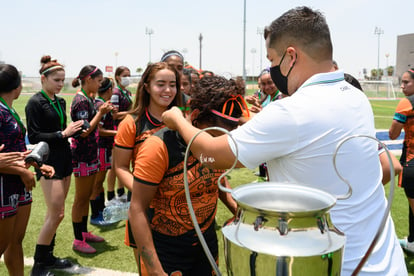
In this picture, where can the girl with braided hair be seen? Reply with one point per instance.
(159, 216)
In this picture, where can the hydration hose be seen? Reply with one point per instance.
(188, 196)
(389, 199)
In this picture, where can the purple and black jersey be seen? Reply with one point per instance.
(107, 122)
(119, 99)
(13, 139)
(84, 149)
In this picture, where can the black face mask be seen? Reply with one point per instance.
(279, 80)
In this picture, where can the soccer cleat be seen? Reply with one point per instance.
(89, 237)
(83, 247)
(407, 246)
(99, 221)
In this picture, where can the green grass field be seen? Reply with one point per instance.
(113, 254)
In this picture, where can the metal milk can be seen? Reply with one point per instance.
(282, 229)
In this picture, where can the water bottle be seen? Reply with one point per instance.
(117, 212)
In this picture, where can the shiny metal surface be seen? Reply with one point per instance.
(282, 229)
(277, 199)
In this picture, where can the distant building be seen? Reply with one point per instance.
(405, 54)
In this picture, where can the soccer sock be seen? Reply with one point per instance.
(262, 171)
(110, 195)
(85, 224)
(95, 208)
(101, 200)
(120, 192)
(52, 247)
(77, 230)
(41, 253)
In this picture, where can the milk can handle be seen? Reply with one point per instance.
(188, 196)
(389, 199)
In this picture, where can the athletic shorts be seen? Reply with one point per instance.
(85, 169)
(12, 195)
(184, 255)
(105, 159)
(407, 181)
(61, 161)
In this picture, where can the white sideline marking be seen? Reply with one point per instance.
(76, 269)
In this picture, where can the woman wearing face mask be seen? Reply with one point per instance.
(85, 153)
(122, 101)
(46, 121)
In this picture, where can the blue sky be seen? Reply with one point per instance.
(91, 32)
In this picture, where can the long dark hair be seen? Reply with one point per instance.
(142, 97)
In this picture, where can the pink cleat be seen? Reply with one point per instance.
(89, 237)
(83, 247)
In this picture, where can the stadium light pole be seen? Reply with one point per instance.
(244, 41)
(200, 38)
(149, 32)
(260, 32)
(378, 31)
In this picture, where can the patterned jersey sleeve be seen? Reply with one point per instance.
(151, 161)
(80, 109)
(97, 105)
(125, 136)
(403, 110)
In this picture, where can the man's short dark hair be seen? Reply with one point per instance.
(302, 27)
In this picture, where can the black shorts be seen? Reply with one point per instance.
(185, 254)
(13, 194)
(61, 160)
(408, 179)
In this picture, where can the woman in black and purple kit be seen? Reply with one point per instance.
(16, 181)
(122, 100)
(85, 153)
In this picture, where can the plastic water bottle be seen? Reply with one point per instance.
(116, 212)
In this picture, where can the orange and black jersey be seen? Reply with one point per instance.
(128, 137)
(160, 162)
(404, 114)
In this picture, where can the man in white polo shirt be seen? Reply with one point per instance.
(297, 137)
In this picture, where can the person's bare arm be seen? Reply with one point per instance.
(106, 132)
(214, 151)
(386, 169)
(395, 129)
(122, 160)
(10, 158)
(141, 197)
(227, 199)
(103, 109)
